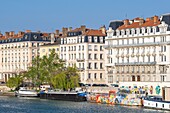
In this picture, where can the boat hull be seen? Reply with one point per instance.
(63, 96)
(164, 105)
(26, 94)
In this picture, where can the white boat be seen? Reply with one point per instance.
(156, 102)
(23, 92)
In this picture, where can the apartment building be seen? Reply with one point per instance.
(138, 51)
(18, 50)
(83, 48)
(45, 49)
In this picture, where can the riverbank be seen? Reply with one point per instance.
(11, 94)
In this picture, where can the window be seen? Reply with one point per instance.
(95, 56)
(133, 78)
(138, 78)
(101, 75)
(89, 76)
(90, 56)
(90, 47)
(95, 75)
(101, 56)
(82, 47)
(101, 65)
(95, 48)
(89, 66)
(95, 65)
(101, 48)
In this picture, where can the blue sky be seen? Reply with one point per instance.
(49, 15)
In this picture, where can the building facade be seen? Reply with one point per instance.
(18, 50)
(83, 48)
(45, 49)
(138, 51)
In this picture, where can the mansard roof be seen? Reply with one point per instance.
(139, 22)
(93, 32)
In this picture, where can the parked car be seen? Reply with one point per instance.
(114, 85)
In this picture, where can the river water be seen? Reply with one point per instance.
(35, 105)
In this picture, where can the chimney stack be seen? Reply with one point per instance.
(52, 38)
(20, 33)
(57, 32)
(103, 29)
(70, 28)
(28, 31)
(148, 19)
(83, 28)
(6, 34)
(126, 22)
(155, 19)
(12, 33)
(64, 31)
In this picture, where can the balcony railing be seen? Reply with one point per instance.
(135, 63)
(135, 44)
(80, 60)
(110, 72)
(80, 69)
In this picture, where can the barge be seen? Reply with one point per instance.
(66, 96)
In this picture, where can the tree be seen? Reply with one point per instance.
(14, 82)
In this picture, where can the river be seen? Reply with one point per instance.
(35, 105)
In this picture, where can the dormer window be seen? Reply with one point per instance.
(127, 31)
(117, 32)
(90, 40)
(122, 32)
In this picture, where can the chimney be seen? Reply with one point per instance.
(83, 28)
(141, 21)
(148, 19)
(70, 28)
(52, 38)
(64, 31)
(6, 34)
(11, 33)
(126, 22)
(28, 31)
(155, 19)
(103, 29)
(20, 33)
(57, 32)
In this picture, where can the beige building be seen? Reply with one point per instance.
(46, 48)
(84, 48)
(18, 50)
(138, 51)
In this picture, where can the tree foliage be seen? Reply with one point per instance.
(50, 70)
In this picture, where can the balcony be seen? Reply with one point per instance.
(154, 53)
(110, 72)
(135, 63)
(80, 69)
(107, 46)
(95, 49)
(80, 60)
(134, 45)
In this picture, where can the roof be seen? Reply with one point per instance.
(93, 32)
(78, 29)
(138, 24)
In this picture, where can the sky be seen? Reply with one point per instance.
(49, 15)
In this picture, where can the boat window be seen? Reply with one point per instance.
(163, 105)
(156, 104)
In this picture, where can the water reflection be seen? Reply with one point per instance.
(35, 105)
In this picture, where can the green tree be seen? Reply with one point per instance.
(14, 82)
